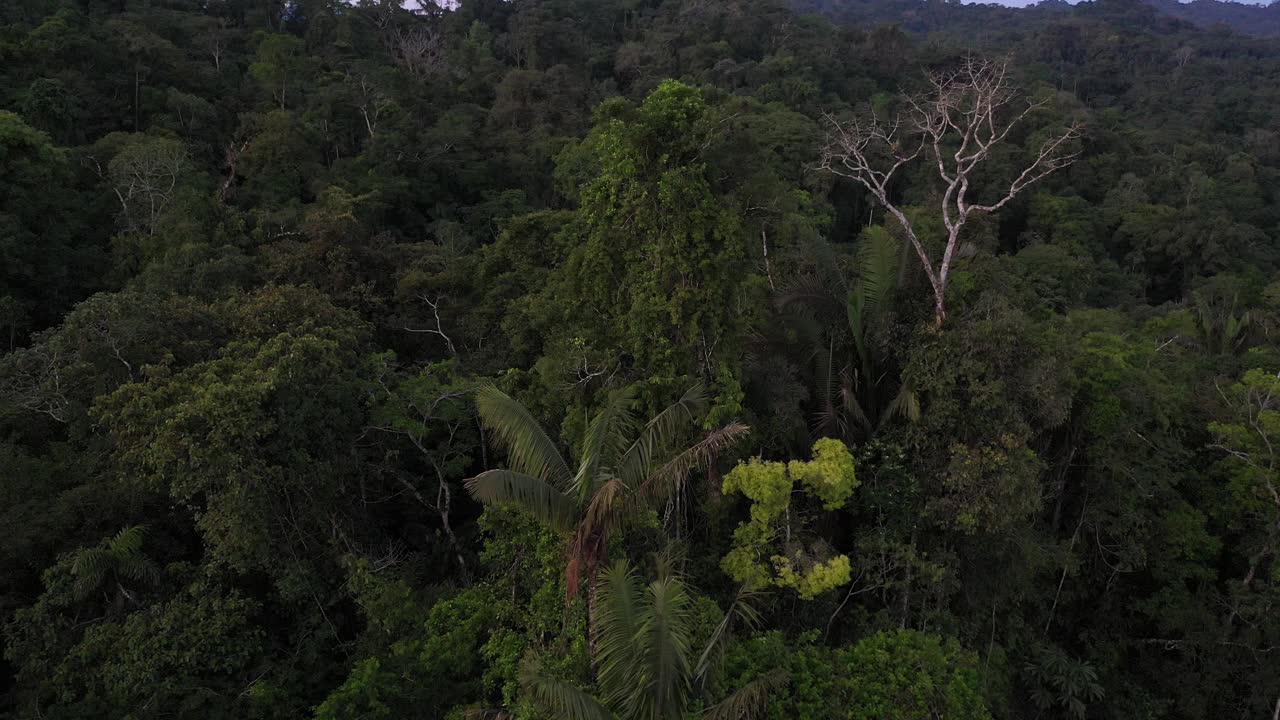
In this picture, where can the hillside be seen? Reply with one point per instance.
(1241, 17)
(941, 16)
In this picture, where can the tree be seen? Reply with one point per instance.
(279, 64)
(642, 647)
(254, 441)
(429, 410)
(145, 176)
(960, 121)
(118, 560)
(830, 479)
(849, 375)
(623, 466)
(45, 258)
(657, 282)
(908, 675)
(1249, 439)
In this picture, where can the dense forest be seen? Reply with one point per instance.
(1245, 18)
(637, 359)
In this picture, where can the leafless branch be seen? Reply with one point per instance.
(971, 109)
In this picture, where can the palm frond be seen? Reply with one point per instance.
(742, 611)
(659, 434)
(810, 294)
(138, 568)
(855, 311)
(529, 449)
(877, 269)
(661, 685)
(90, 569)
(906, 404)
(849, 400)
(828, 420)
(561, 698)
(749, 701)
(670, 478)
(606, 510)
(615, 623)
(534, 494)
(128, 541)
(828, 267)
(877, 261)
(605, 442)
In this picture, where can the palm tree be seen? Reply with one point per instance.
(643, 656)
(624, 466)
(1220, 328)
(119, 561)
(849, 379)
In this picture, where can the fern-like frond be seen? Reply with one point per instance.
(827, 266)
(906, 404)
(660, 434)
(849, 400)
(810, 294)
(90, 570)
(487, 714)
(668, 480)
(751, 700)
(605, 511)
(662, 682)
(138, 568)
(529, 450)
(561, 698)
(534, 494)
(877, 269)
(128, 541)
(828, 420)
(615, 622)
(741, 612)
(607, 438)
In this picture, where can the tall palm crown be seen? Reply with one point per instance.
(850, 377)
(119, 561)
(624, 466)
(642, 650)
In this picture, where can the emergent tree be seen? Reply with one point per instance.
(963, 116)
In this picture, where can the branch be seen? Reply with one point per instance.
(1050, 160)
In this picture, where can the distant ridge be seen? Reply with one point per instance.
(1262, 20)
(926, 16)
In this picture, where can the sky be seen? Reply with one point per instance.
(1009, 3)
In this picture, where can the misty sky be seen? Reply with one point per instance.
(1009, 3)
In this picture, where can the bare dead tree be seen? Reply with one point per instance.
(371, 102)
(144, 177)
(214, 41)
(1184, 55)
(33, 381)
(965, 114)
(439, 324)
(424, 417)
(231, 159)
(412, 37)
(414, 43)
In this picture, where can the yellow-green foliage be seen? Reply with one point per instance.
(816, 580)
(829, 477)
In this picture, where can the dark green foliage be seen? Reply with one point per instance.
(906, 674)
(277, 277)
